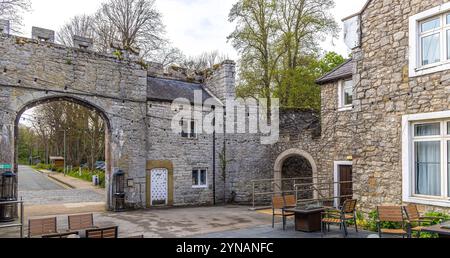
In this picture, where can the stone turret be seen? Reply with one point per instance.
(221, 80)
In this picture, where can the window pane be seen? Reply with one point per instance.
(427, 130)
(195, 177)
(448, 18)
(203, 177)
(448, 168)
(448, 44)
(347, 93)
(192, 129)
(431, 49)
(428, 168)
(430, 25)
(448, 128)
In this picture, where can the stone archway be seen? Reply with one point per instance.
(49, 99)
(278, 169)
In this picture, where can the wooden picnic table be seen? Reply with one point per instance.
(438, 229)
(307, 220)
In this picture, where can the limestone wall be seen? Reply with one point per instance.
(383, 94)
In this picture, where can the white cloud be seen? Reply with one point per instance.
(194, 26)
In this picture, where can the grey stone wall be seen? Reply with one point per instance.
(383, 94)
(32, 72)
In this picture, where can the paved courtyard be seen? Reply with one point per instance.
(202, 222)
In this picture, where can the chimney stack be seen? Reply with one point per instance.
(43, 35)
(82, 42)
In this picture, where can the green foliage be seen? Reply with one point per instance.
(87, 174)
(298, 89)
(118, 54)
(43, 166)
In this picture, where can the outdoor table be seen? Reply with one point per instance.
(438, 229)
(308, 220)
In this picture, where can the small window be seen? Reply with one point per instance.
(199, 178)
(431, 49)
(431, 25)
(346, 94)
(188, 129)
(422, 130)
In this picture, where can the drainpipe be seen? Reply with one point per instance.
(214, 158)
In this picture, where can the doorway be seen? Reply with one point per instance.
(159, 186)
(343, 179)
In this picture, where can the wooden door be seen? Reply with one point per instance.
(346, 185)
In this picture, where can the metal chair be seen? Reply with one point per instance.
(109, 232)
(393, 214)
(40, 227)
(340, 217)
(81, 222)
(279, 206)
(416, 221)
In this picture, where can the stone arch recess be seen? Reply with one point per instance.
(278, 169)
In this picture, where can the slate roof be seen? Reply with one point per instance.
(169, 90)
(343, 71)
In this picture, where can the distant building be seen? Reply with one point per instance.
(57, 162)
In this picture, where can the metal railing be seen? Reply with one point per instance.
(15, 224)
(321, 190)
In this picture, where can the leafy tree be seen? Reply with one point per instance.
(278, 42)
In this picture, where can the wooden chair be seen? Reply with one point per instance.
(40, 227)
(279, 206)
(341, 217)
(60, 236)
(393, 214)
(418, 222)
(110, 232)
(81, 222)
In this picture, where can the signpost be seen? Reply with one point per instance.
(5, 166)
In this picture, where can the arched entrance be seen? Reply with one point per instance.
(295, 164)
(46, 100)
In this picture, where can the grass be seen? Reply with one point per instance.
(84, 174)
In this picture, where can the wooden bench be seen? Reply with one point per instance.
(62, 235)
(81, 222)
(40, 227)
(110, 232)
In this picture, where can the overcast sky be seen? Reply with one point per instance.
(194, 26)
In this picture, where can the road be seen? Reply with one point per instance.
(31, 180)
(37, 189)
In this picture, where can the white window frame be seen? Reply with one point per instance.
(200, 186)
(415, 35)
(408, 159)
(341, 96)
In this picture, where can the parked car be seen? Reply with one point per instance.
(99, 164)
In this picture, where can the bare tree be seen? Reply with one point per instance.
(137, 22)
(80, 26)
(12, 10)
(168, 56)
(204, 61)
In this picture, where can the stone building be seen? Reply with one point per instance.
(395, 128)
(162, 167)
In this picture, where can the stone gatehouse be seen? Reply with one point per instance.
(135, 100)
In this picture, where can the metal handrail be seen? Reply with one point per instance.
(314, 187)
(21, 218)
